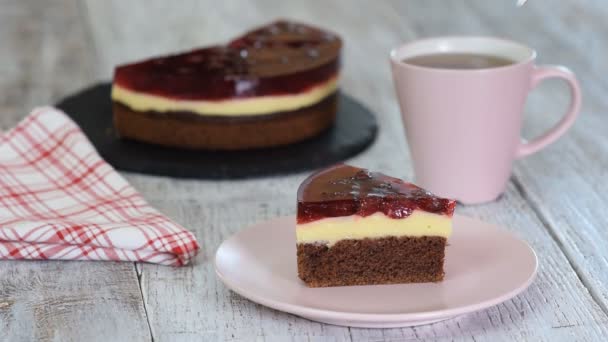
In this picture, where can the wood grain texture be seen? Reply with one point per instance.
(190, 303)
(45, 54)
(567, 184)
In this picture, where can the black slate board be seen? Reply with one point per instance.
(355, 129)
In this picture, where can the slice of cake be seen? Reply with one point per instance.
(356, 227)
(274, 85)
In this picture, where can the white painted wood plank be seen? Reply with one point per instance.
(70, 301)
(45, 54)
(567, 183)
(190, 303)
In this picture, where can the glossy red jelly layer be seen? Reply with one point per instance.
(345, 190)
(277, 59)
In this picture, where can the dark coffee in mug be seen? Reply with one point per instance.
(458, 61)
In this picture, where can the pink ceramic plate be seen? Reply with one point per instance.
(485, 266)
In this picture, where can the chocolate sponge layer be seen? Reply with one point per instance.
(389, 260)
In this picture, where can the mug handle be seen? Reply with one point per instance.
(539, 74)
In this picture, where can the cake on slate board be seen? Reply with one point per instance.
(274, 85)
(356, 227)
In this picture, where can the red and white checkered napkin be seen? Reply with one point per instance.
(60, 200)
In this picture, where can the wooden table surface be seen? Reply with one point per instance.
(556, 199)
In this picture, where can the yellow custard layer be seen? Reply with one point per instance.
(235, 107)
(333, 229)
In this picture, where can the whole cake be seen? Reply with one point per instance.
(274, 85)
(356, 227)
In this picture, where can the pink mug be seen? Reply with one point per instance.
(463, 126)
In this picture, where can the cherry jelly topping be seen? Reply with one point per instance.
(276, 59)
(345, 190)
